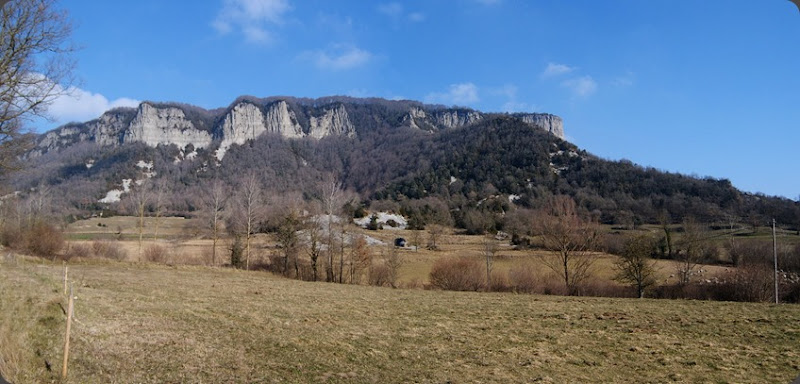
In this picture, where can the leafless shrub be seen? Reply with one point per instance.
(44, 240)
(155, 253)
(74, 250)
(457, 274)
(108, 250)
(523, 278)
(379, 275)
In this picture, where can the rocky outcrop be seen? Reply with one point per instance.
(546, 121)
(282, 120)
(456, 118)
(334, 121)
(107, 130)
(247, 119)
(165, 125)
(444, 119)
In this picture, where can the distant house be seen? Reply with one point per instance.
(400, 242)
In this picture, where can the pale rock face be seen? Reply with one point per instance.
(546, 121)
(246, 122)
(104, 131)
(280, 119)
(456, 119)
(334, 121)
(169, 125)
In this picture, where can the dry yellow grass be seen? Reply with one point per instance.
(149, 323)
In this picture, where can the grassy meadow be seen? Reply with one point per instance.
(184, 320)
(148, 323)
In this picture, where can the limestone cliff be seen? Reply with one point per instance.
(165, 125)
(249, 118)
(546, 121)
(334, 121)
(107, 130)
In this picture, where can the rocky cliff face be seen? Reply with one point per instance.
(165, 125)
(247, 119)
(106, 130)
(418, 118)
(546, 121)
(333, 121)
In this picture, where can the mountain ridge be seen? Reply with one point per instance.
(248, 117)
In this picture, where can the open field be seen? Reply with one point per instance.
(153, 323)
(183, 237)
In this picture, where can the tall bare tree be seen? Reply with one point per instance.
(490, 249)
(214, 202)
(139, 198)
(250, 208)
(570, 238)
(35, 68)
(693, 244)
(332, 202)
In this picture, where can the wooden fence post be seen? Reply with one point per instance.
(66, 337)
(66, 277)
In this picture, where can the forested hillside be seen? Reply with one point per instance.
(471, 176)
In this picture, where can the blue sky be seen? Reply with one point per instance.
(708, 87)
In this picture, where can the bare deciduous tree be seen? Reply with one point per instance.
(693, 246)
(139, 198)
(570, 237)
(332, 201)
(634, 266)
(214, 203)
(360, 259)
(35, 67)
(249, 208)
(490, 249)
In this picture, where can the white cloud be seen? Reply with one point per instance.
(457, 94)
(251, 17)
(338, 57)
(397, 12)
(81, 105)
(555, 69)
(581, 86)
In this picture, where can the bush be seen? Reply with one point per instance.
(108, 250)
(44, 240)
(379, 275)
(237, 253)
(522, 278)
(76, 250)
(458, 274)
(156, 254)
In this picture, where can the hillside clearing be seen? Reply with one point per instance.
(151, 323)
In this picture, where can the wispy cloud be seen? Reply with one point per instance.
(391, 9)
(81, 105)
(251, 18)
(583, 86)
(555, 69)
(626, 80)
(416, 17)
(488, 2)
(456, 94)
(338, 57)
(398, 13)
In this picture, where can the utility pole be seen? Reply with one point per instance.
(775, 259)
